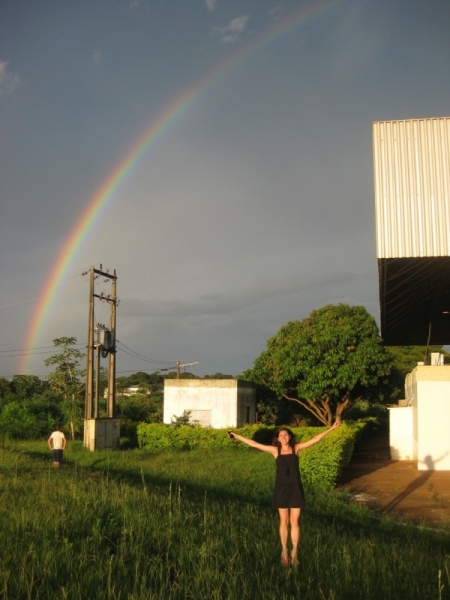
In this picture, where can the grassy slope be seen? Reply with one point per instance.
(134, 525)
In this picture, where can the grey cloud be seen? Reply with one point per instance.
(8, 80)
(226, 304)
(97, 57)
(210, 4)
(253, 208)
(233, 30)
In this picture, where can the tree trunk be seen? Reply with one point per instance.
(321, 410)
(343, 405)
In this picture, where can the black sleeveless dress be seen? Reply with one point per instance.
(288, 491)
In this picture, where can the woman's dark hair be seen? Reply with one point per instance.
(292, 441)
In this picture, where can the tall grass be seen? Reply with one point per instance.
(133, 525)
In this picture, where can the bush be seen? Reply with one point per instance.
(157, 437)
(321, 465)
(17, 422)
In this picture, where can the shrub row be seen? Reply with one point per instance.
(321, 464)
(157, 436)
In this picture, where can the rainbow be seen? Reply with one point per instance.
(123, 170)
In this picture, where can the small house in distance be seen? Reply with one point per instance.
(216, 403)
(129, 391)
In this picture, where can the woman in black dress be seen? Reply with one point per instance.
(288, 496)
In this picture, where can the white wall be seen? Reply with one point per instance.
(401, 433)
(427, 390)
(220, 403)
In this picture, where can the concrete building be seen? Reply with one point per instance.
(412, 221)
(420, 430)
(412, 213)
(216, 403)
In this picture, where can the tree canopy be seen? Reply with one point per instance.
(325, 362)
(141, 379)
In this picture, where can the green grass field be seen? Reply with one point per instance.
(197, 525)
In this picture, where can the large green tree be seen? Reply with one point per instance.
(67, 380)
(326, 362)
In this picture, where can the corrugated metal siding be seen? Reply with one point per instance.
(412, 187)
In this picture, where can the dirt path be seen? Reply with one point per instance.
(397, 487)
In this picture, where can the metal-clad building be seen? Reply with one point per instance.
(412, 185)
(412, 208)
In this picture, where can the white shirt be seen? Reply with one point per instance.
(57, 437)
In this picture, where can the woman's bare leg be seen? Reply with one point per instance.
(284, 522)
(295, 532)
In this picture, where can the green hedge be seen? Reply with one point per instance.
(321, 464)
(157, 437)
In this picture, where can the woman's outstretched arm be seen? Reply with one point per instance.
(263, 447)
(316, 438)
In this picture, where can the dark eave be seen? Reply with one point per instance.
(414, 300)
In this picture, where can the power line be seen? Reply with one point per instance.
(20, 302)
(38, 348)
(32, 351)
(141, 356)
(27, 354)
(53, 284)
(140, 371)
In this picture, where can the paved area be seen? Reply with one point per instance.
(397, 487)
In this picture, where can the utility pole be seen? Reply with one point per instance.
(178, 366)
(104, 341)
(111, 407)
(90, 352)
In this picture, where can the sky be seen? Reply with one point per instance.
(235, 137)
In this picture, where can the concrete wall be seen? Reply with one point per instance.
(427, 390)
(401, 433)
(217, 403)
(101, 434)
